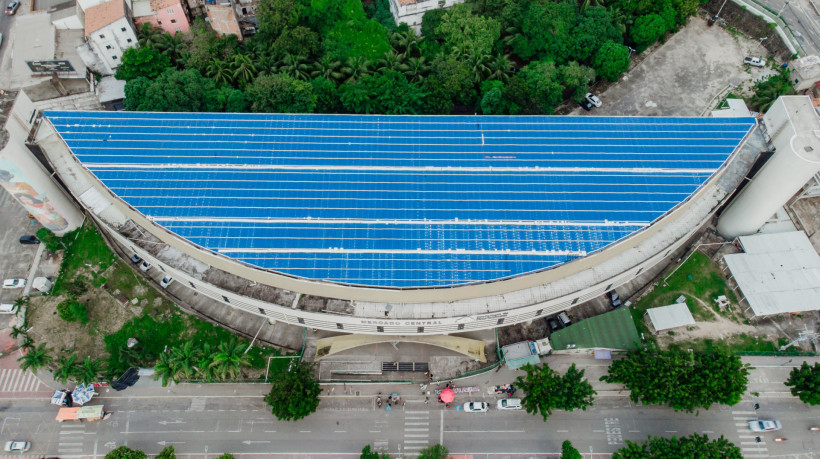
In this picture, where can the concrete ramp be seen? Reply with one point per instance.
(472, 348)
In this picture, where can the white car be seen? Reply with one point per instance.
(17, 446)
(764, 425)
(144, 266)
(8, 308)
(166, 281)
(755, 61)
(509, 404)
(593, 99)
(475, 407)
(14, 283)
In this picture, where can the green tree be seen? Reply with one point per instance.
(124, 452)
(295, 66)
(243, 69)
(576, 78)
(143, 62)
(543, 79)
(611, 60)
(434, 452)
(767, 91)
(164, 369)
(430, 22)
(356, 38)
(167, 453)
(492, 98)
(327, 68)
(685, 381)
(805, 383)
(355, 68)
(276, 16)
(299, 40)
(236, 102)
(546, 30)
(174, 90)
(280, 94)
(595, 27)
(226, 456)
(294, 393)
(21, 302)
(368, 454)
(546, 390)
(66, 368)
(72, 310)
(220, 71)
(569, 452)
(693, 446)
(386, 92)
(229, 359)
(35, 358)
(415, 69)
(171, 46)
(89, 370)
(327, 96)
(647, 30)
(148, 35)
(470, 34)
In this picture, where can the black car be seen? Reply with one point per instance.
(614, 299)
(587, 105)
(553, 324)
(135, 259)
(29, 240)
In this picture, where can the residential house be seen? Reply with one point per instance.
(169, 15)
(108, 33)
(805, 72)
(223, 18)
(411, 11)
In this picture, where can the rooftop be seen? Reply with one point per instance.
(102, 15)
(613, 330)
(400, 201)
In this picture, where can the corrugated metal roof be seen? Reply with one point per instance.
(672, 316)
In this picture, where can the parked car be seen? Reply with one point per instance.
(475, 407)
(144, 266)
(754, 61)
(553, 324)
(8, 308)
(29, 239)
(563, 317)
(509, 404)
(764, 425)
(11, 8)
(614, 299)
(166, 281)
(586, 105)
(16, 446)
(135, 258)
(14, 283)
(593, 99)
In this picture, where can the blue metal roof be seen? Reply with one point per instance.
(400, 201)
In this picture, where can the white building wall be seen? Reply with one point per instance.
(110, 42)
(794, 128)
(412, 14)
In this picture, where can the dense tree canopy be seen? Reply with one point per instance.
(294, 394)
(489, 56)
(805, 383)
(547, 390)
(693, 446)
(124, 452)
(684, 380)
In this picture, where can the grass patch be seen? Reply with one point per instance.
(736, 343)
(86, 255)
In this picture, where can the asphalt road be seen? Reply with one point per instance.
(802, 19)
(208, 426)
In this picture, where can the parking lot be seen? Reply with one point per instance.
(684, 75)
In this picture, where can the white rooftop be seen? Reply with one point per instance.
(672, 316)
(778, 273)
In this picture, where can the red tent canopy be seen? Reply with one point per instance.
(447, 395)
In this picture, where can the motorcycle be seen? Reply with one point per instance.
(779, 439)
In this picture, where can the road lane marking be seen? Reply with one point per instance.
(417, 430)
(270, 431)
(339, 431)
(741, 424)
(304, 431)
(707, 431)
(746, 436)
(417, 423)
(415, 436)
(634, 431)
(485, 431)
(740, 418)
(562, 431)
(417, 441)
(375, 431)
(743, 412)
(671, 431)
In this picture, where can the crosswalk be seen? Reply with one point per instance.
(416, 430)
(70, 438)
(749, 445)
(16, 380)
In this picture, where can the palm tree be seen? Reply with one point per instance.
(89, 370)
(327, 67)
(244, 70)
(66, 368)
(355, 68)
(35, 358)
(415, 69)
(295, 66)
(148, 35)
(28, 343)
(405, 42)
(390, 61)
(479, 66)
(171, 45)
(220, 71)
(164, 369)
(17, 331)
(184, 360)
(501, 67)
(22, 301)
(204, 367)
(229, 359)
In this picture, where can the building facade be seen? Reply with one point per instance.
(109, 31)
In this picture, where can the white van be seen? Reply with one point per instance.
(509, 404)
(8, 308)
